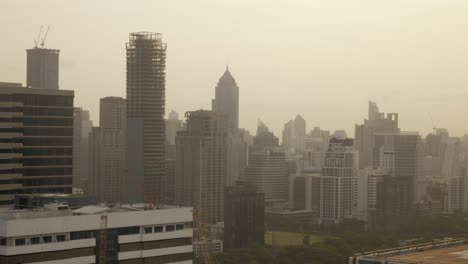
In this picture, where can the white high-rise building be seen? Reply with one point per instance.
(338, 182)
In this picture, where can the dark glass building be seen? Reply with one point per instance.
(36, 139)
(243, 216)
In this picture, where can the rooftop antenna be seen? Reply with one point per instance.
(36, 41)
(45, 37)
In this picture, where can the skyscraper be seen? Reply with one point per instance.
(400, 156)
(107, 152)
(82, 126)
(42, 68)
(201, 164)
(364, 134)
(337, 194)
(146, 85)
(294, 134)
(226, 100)
(37, 141)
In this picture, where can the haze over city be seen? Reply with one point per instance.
(321, 59)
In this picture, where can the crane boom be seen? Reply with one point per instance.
(45, 37)
(36, 41)
(208, 259)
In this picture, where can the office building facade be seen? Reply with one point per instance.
(37, 141)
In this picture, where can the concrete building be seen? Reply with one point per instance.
(244, 211)
(82, 126)
(294, 134)
(201, 164)
(42, 71)
(146, 86)
(37, 141)
(267, 173)
(377, 122)
(337, 193)
(107, 169)
(96, 234)
(226, 100)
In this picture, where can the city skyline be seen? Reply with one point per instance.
(429, 79)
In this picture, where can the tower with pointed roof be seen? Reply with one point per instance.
(226, 100)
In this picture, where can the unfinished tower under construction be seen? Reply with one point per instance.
(146, 85)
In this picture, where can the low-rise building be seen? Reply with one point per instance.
(97, 234)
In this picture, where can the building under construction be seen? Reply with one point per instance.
(42, 68)
(146, 85)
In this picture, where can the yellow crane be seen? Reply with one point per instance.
(204, 246)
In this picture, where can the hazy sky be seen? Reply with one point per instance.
(323, 59)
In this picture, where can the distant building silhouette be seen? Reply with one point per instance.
(107, 152)
(82, 126)
(226, 100)
(42, 68)
(377, 122)
(294, 134)
(146, 87)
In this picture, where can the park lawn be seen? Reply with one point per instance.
(278, 238)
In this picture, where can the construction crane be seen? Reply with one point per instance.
(151, 201)
(36, 41)
(103, 239)
(208, 259)
(45, 37)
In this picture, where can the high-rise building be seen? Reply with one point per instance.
(294, 135)
(337, 194)
(82, 126)
(146, 86)
(400, 156)
(42, 68)
(377, 122)
(201, 164)
(123, 234)
(112, 113)
(37, 141)
(244, 211)
(227, 100)
(107, 172)
(267, 172)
